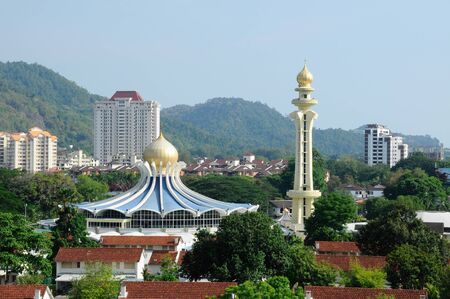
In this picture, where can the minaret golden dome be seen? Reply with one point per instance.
(305, 78)
(161, 150)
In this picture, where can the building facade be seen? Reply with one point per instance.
(69, 159)
(382, 147)
(303, 193)
(33, 151)
(124, 125)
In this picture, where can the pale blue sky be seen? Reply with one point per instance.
(373, 61)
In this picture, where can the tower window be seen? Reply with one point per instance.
(305, 96)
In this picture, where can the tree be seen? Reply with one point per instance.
(417, 183)
(276, 287)
(47, 190)
(377, 206)
(30, 279)
(70, 231)
(117, 180)
(350, 171)
(304, 270)
(22, 249)
(417, 160)
(359, 276)
(169, 271)
(332, 212)
(246, 246)
(238, 189)
(90, 189)
(97, 283)
(409, 267)
(399, 226)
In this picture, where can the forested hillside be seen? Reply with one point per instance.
(32, 95)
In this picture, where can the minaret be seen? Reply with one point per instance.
(303, 193)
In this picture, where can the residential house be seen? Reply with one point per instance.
(322, 292)
(344, 262)
(336, 248)
(71, 263)
(25, 291)
(171, 289)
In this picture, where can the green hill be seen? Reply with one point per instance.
(32, 95)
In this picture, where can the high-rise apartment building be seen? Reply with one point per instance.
(382, 147)
(33, 151)
(124, 125)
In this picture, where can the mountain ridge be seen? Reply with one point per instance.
(33, 95)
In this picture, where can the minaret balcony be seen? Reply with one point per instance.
(304, 104)
(304, 193)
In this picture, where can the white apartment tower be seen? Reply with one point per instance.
(303, 193)
(33, 151)
(382, 147)
(124, 126)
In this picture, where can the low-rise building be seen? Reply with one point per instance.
(149, 243)
(361, 192)
(322, 292)
(344, 262)
(336, 248)
(25, 291)
(68, 159)
(171, 289)
(157, 256)
(437, 221)
(126, 263)
(247, 166)
(278, 207)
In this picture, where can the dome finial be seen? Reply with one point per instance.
(161, 150)
(305, 78)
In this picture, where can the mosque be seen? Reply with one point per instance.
(159, 201)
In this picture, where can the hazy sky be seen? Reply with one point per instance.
(373, 61)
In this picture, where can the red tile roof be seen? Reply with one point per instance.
(158, 255)
(328, 246)
(141, 240)
(99, 254)
(174, 290)
(361, 293)
(344, 261)
(134, 95)
(21, 291)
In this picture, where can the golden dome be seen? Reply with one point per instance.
(305, 78)
(161, 150)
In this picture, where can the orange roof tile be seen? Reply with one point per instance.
(158, 255)
(174, 290)
(328, 246)
(320, 292)
(141, 240)
(344, 261)
(99, 254)
(21, 291)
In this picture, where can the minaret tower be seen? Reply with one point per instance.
(303, 193)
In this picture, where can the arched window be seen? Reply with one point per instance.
(110, 214)
(146, 219)
(209, 219)
(179, 219)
